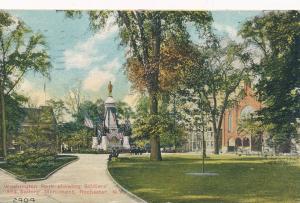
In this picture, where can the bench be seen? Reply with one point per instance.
(137, 151)
(113, 154)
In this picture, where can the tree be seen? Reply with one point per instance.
(59, 109)
(21, 50)
(93, 110)
(14, 111)
(124, 111)
(163, 124)
(74, 98)
(252, 126)
(276, 37)
(79, 139)
(213, 78)
(75, 133)
(39, 131)
(146, 124)
(145, 33)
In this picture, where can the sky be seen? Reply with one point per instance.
(89, 60)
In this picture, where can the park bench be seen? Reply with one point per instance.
(137, 151)
(114, 153)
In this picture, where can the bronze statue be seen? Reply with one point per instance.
(110, 87)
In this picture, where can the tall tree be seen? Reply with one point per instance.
(145, 34)
(14, 114)
(21, 50)
(276, 37)
(74, 98)
(213, 78)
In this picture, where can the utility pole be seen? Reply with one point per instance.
(174, 124)
(203, 146)
(202, 123)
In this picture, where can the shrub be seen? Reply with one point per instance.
(32, 158)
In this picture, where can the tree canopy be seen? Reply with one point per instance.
(276, 36)
(145, 33)
(21, 50)
(213, 78)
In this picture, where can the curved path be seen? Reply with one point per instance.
(85, 180)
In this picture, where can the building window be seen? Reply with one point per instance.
(229, 122)
(247, 112)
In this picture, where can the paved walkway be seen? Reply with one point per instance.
(85, 180)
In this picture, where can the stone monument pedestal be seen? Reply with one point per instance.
(126, 142)
(95, 143)
(104, 143)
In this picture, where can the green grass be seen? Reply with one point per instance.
(241, 179)
(24, 173)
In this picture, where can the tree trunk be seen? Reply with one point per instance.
(217, 138)
(154, 139)
(154, 85)
(216, 135)
(217, 129)
(3, 122)
(203, 142)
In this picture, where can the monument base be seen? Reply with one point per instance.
(104, 143)
(95, 143)
(126, 144)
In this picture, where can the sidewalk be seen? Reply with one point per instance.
(85, 180)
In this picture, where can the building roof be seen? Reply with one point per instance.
(42, 115)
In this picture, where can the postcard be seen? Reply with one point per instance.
(162, 106)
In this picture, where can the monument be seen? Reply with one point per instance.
(111, 136)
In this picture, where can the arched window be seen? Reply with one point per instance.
(229, 122)
(247, 112)
(246, 142)
(238, 142)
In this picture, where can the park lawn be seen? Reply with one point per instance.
(241, 179)
(26, 174)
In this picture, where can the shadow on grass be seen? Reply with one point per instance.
(240, 180)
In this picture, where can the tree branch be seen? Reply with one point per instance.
(123, 15)
(16, 82)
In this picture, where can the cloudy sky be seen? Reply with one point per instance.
(90, 60)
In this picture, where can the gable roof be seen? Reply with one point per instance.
(42, 115)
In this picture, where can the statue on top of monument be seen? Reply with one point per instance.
(110, 87)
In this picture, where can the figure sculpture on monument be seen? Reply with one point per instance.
(113, 137)
(110, 87)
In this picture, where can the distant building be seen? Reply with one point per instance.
(232, 140)
(194, 140)
(43, 121)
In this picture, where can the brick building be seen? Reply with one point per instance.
(231, 138)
